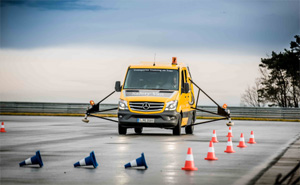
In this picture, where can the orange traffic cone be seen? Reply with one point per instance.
(229, 133)
(252, 140)
(214, 137)
(211, 152)
(229, 148)
(2, 128)
(242, 142)
(189, 162)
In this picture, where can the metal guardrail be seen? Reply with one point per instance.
(258, 112)
(75, 108)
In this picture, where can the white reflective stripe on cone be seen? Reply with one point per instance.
(251, 136)
(189, 157)
(28, 161)
(229, 143)
(133, 163)
(242, 139)
(211, 149)
(214, 135)
(82, 162)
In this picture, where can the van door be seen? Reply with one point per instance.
(191, 102)
(184, 98)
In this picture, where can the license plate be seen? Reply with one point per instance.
(145, 120)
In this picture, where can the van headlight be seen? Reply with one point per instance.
(171, 105)
(123, 105)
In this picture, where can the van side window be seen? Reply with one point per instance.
(182, 81)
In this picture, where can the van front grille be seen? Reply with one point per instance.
(146, 106)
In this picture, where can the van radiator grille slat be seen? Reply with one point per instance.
(146, 106)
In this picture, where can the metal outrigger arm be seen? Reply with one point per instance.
(96, 109)
(221, 111)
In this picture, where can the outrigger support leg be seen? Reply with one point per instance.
(229, 120)
(221, 111)
(85, 119)
(96, 109)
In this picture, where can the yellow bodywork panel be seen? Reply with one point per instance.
(184, 121)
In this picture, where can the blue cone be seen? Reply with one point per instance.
(90, 160)
(37, 159)
(137, 162)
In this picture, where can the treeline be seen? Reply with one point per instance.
(279, 83)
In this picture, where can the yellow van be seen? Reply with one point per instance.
(156, 95)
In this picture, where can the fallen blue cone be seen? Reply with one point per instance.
(90, 160)
(37, 159)
(137, 162)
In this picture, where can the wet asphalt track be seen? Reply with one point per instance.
(65, 140)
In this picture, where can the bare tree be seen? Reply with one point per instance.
(252, 97)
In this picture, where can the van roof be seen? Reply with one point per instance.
(158, 65)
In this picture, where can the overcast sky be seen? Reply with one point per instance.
(74, 50)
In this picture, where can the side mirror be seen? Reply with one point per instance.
(186, 88)
(118, 86)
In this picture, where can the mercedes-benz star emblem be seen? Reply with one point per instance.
(146, 106)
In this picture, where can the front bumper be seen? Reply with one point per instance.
(167, 119)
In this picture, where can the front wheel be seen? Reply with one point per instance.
(177, 128)
(122, 130)
(190, 128)
(138, 130)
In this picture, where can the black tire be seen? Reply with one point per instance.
(190, 129)
(138, 130)
(122, 130)
(177, 128)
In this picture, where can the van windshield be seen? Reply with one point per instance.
(155, 79)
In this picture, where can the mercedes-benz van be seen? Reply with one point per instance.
(156, 95)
